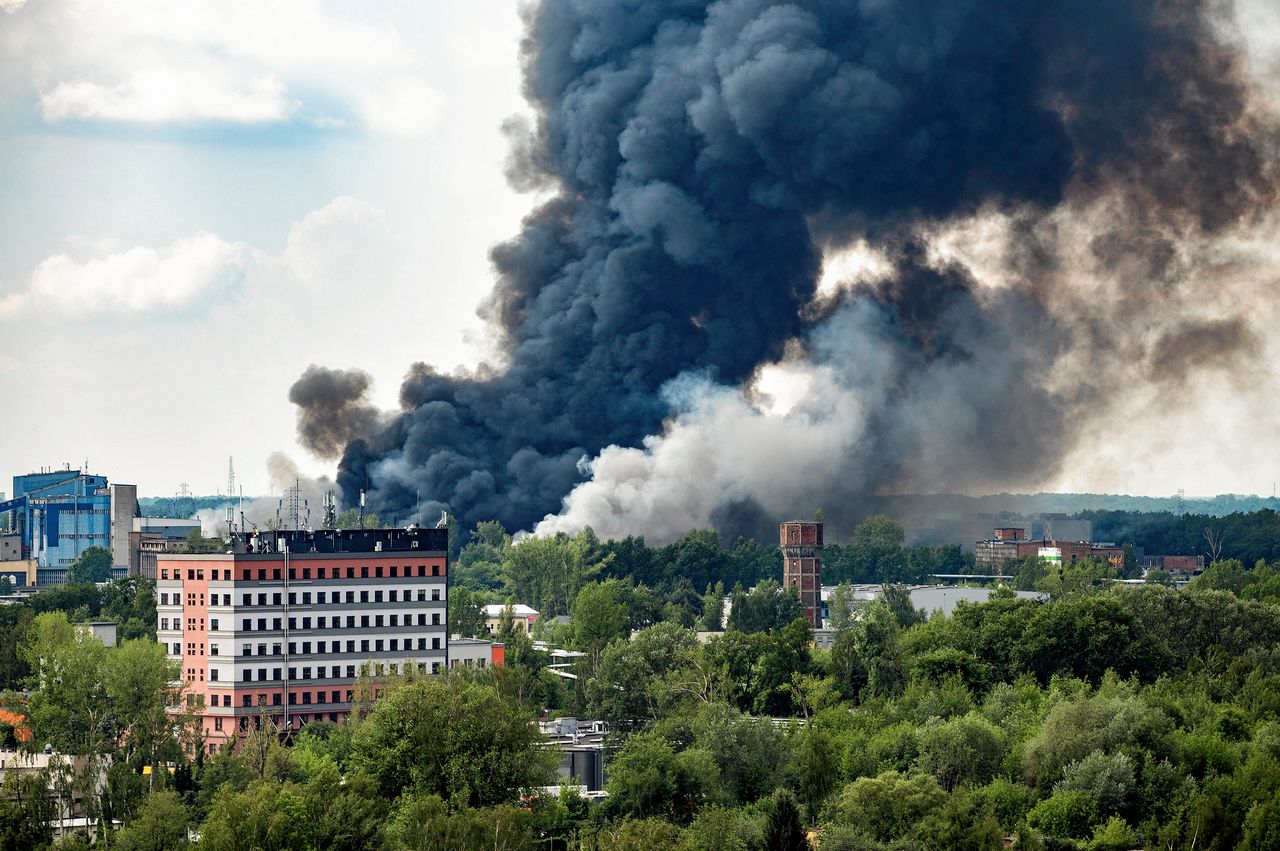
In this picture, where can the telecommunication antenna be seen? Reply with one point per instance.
(231, 476)
(293, 511)
(330, 511)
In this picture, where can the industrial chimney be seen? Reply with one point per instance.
(801, 542)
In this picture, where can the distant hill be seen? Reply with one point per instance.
(186, 506)
(958, 505)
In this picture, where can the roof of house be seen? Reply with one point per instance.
(520, 610)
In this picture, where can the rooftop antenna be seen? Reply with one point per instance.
(361, 509)
(293, 511)
(231, 477)
(330, 511)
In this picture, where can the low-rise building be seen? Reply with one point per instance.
(523, 617)
(1188, 565)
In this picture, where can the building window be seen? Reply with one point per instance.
(262, 674)
(351, 573)
(364, 573)
(293, 673)
(275, 624)
(377, 620)
(364, 645)
(435, 593)
(248, 675)
(293, 623)
(213, 624)
(320, 672)
(293, 598)
(377, 645)
(364, 596)
(164, 623)
(293, 649)
(275, 599)
(395, 645)
(306, 648)
(320, 623)
(217, 722)
(275, 699)
(351, 646)
(391, 595)
(306, 623)
(275, 574)
(320, 598)
(395, 620)
(422, 595)
(213, 649)
(262, 624)
(377, 596)
(247, 700)
(320, 697)
(306, 673)
(351, 596)
(293, 698)
(393, 571)
(422, 619)
(213, 675)
(275, 673)
(164, 574)
(246, 600)
(306, 599)
(246, 650)
(351, 671)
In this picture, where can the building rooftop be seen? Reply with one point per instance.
(340, 541)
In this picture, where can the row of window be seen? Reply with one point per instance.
(335, 622)
(321, 598)
(247, 574)
(336, 672)
(321, 647)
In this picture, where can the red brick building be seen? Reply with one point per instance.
(801, 543)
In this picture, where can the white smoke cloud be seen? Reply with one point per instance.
(265, 511)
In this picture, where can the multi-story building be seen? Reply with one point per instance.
(59, 514)
(284, 624)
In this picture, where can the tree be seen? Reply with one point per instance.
(466, 612)
(160, 825)
(1106, 778)
(26, 811)
(964, 751)
(546, 573)
(1065, 815)
(712, 619)
(137, 678)
(1213, 536)
(350, 519)
(782, 828)
(841, 607)
(599, 616)
(877, 550)
(456, 739)
(889, 806)
(92, 565)
(426, 823)
(648, 778)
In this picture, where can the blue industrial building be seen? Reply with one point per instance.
(59, 515)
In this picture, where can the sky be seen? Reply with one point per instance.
(200, 199)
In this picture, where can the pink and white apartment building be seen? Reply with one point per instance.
(287, 621)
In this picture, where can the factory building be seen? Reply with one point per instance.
(801, 543)
(1011, 543)
(58, 514)
(286, 623)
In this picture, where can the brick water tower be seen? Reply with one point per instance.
(801, 542)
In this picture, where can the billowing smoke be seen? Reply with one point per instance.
(267, 512)
(1046, 189)
(333, 409)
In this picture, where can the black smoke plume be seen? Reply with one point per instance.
(706, 155)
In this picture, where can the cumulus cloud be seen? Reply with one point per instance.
(177, 277)
(232, 62)
(344, 243)
(153, 95)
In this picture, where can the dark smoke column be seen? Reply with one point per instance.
(702, 152)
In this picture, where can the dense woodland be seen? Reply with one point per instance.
(1106, 717)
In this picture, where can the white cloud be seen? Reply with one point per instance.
(11, 6)
(154, 95)
(148, 62)
(179, 277)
